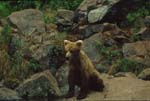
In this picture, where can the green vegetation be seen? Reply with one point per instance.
(126, 65)
(134, 17)
(5, 36)
(13, 66)
(23, 4)
(135, 37)
(67, 4)
(4, 64)
(34, 66)
(50, 16)
(6, 7)
(47, 19)
(113, 56)
(141, 12)
(109, 53)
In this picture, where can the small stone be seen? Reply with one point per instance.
(145, 74)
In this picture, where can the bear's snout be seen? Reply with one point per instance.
(68, 55)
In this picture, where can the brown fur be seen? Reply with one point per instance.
(82, 71)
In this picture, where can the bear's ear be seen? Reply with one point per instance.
(66, 42)
(79, 43)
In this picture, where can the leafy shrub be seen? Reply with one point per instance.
(67, 4)
(34, 66)
(50, 16)
(5, 37)
(114, 57)
(126, 65)
(4, 9)
(4, 64)
(134, 16)
(23, 4)
(109, 53)
(135, 37)
(22, 68)
(141, 12)
(47, 19)
(14, 5)
(14, 65)
(19, 68)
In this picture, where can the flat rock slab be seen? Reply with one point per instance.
(121, 88)
(8, 94)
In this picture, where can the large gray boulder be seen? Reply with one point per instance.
(28, 21)
(39, 85)
(89, 46)
(8, 94)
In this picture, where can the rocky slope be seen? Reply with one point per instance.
(107, 45)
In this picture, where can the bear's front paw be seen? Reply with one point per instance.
(69, 95)
(81, 96)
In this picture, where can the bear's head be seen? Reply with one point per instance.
(72, 48)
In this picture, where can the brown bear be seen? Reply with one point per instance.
(82, 71)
